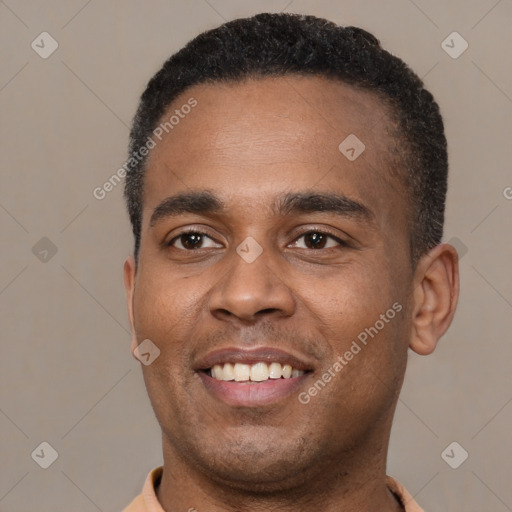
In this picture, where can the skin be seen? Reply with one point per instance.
(249, 143)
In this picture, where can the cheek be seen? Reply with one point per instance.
(359, 313)
(162, 301)
(164, 311)
(366, 368)
(348, 298)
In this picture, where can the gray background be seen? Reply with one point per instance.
(66, 373)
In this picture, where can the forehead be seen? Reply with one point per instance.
(315, 111)
(254, 136)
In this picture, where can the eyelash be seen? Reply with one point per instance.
(192, 231)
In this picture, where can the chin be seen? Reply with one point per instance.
(254, 464)
(258, 474)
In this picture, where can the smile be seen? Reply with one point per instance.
(258, 372)
(256, 377)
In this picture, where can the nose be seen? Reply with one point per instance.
(248, 291)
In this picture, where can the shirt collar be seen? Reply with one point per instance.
(153, 479)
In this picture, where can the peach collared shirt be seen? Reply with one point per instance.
(148, 502)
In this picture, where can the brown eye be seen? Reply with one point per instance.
(192, 240)
(317, 240)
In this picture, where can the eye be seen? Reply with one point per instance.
(191, 240)
(318, 240)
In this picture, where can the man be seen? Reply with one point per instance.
(286, 191)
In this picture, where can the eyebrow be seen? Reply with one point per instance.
(312, 202)
(201, 203)
(207, 203)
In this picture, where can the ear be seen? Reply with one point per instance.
(435, 296)
(130, 270)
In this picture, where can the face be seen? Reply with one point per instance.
(265, 251)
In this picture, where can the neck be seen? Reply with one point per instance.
(355, 482)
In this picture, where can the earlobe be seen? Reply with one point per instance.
(435, 296)
(129, 272)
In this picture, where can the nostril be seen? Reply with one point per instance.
(266, 311)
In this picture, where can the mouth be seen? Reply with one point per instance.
(257, 372)
(251, 378)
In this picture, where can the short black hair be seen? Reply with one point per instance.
(277, 45)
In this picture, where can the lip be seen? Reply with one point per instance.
(251, 394)
(251, 356)
(248, 393)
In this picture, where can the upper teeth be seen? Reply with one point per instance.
(255, 372)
